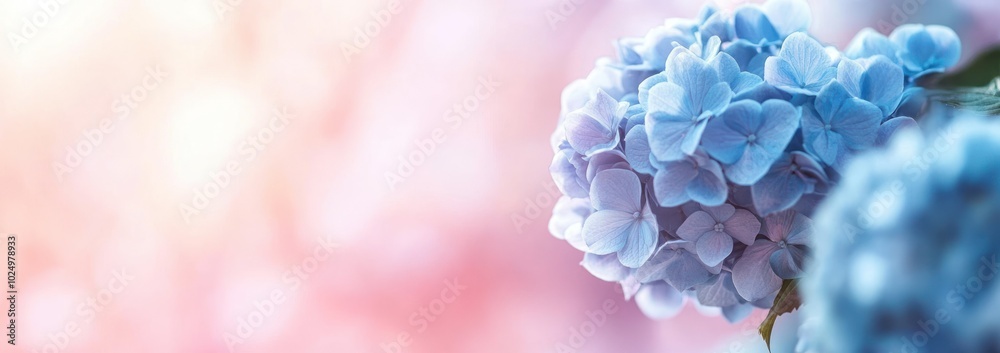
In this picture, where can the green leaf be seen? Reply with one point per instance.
(787, 301)
(984, 99)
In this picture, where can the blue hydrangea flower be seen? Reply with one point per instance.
(748, 137)
(906, 246)
(801, 67)
(697, 178)
(739, 111)
(868, 43)
(793, 175)
(622, 222)
(839, 124)
(594, 128)
(926, 49)
(877, 80)
(679, 109)
(713, 229)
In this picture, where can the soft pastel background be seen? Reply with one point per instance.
(323, 176)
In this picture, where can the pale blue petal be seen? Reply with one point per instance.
(637, 151)
(659, 300)
(602, 161)
(605, 267)
(751, 24)
(696, 225)
(647, 84)
(713, 247)
(670, 132)
(742, 226)
(671, 182)
(692, 138)
(857, 121)
(640, 244)
(717, 98)
(680, 268)
(802, 66)
(565, 175)
(718, 292)
(607, 231)
(891, 126)
(788, 16)
(787, 262)
(709, 186)
(616, 189)
(868, 43)
(752, 274)
(779, 189)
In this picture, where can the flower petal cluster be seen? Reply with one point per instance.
(691, 164)
(906, 246)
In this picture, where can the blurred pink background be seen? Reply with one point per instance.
(198, 273)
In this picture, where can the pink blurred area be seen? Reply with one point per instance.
(466, 213)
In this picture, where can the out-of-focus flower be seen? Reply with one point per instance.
(906, 247)
(926, 49)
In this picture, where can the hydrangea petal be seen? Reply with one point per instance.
(713, 247)
(719, 292)
(695, 225)
(709, 186)
(788, 16)
(753, 25)
(607, 231)
(787, 262)
(641, 243)
(752, 274)
(779, 189)
(659, 300)
(616, 189)
(743, 226)
(680, 268)
(605, 267)
(637, 151)
(671, 182)
(868, 43)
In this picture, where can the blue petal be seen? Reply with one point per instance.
(647, 84)
(668, 98)
(752, 274)
(713, 247)
(607, 231)
(692, 137)
(605, 267)
(616, 189)
(719, 292)
(788, 16)
(787, 262)
(602, 161)
(779, 189)
(696, 225)
(709, 186)
(670, 131)
(877, 80)
(594, 127)
(565, 175)
(891, 126)
(926, 49)
(802, 66)
(868, 43)
(693, 74)
(659, 300)
(751, 24)
(717, 98)
(780, 122)
(680, 268)
(637, 151)
(727, 138)
(670, 183)
(641, 242)
(742, 226)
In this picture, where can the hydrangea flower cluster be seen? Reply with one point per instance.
(907, 246)
(691, 163)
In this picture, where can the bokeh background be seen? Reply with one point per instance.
(474, 209)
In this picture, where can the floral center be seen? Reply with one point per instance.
(827, 127)
(719, 227)
(635, 215)
(752, 138)
(781, 244)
